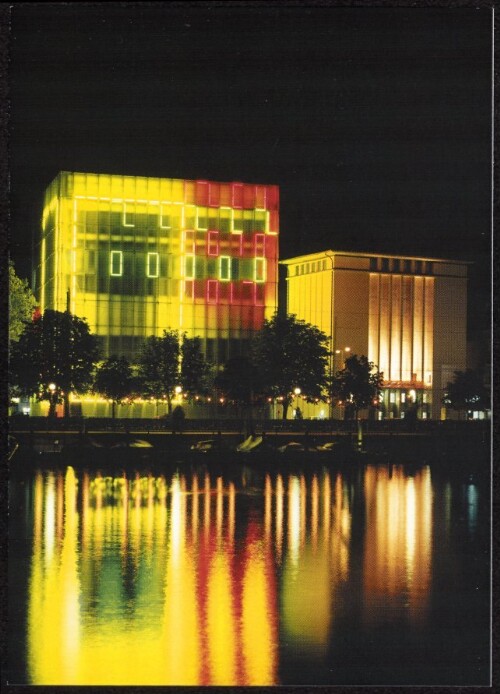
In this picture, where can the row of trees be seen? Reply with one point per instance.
(55, 354)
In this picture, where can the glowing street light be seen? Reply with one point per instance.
(343, 351)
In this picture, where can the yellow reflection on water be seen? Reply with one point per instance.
(398, 544)
(130, 596)
(221, 623)
(259, 622)
(309, 576)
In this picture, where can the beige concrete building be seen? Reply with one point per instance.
(407, 314)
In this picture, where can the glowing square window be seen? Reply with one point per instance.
(213, 243)
(260, 270)
(225, 268)
(116, 264)
(153, 265)
(189, 267)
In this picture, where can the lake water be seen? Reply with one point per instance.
(375, 575)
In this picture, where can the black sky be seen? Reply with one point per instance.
(374, 122)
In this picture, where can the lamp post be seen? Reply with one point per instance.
(52, 402)
(297, 392)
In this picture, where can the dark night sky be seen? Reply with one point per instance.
(374, 122)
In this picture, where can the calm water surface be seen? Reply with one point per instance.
(372, 576)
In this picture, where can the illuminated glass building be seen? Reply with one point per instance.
(136, 255)
(408, 315)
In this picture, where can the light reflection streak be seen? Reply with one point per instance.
(279, 517)
(49, 517)
(293, 518)
(398, 555)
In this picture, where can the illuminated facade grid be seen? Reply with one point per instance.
(408, 315)
(137, 255)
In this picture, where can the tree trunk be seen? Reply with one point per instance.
(285, 408)
(52, 406)
(113, 411)
(66, 405)
(169, 403)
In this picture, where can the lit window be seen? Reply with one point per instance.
(116, 264)
(225, 219)
(225, 268)
(165, 217)
(237, 195)
(128, 215)
(212, 291)
(260, 197)
(260, 240)
(153, 265)
(189, 214)
(237, 221)
(261, 220)
(189, 245)
(189, 267)
(213, 243)
(403, 397)
(260, 270)
(201, 218)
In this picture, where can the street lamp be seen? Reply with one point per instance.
(297, 392)
(341, 352)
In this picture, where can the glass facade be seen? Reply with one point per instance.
(135, 255)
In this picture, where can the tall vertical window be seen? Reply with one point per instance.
(213, 243)
(225, 268)
(189, 220)
(128, 215)
(116, 264)
(260, 245)
(212, 291)
(165, 217)
(153, 265)
(189, 242)
(260, 270)
(189, 267)
(237, 222)
(201, 218)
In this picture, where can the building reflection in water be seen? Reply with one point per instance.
(398, 546)
(187, 580)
